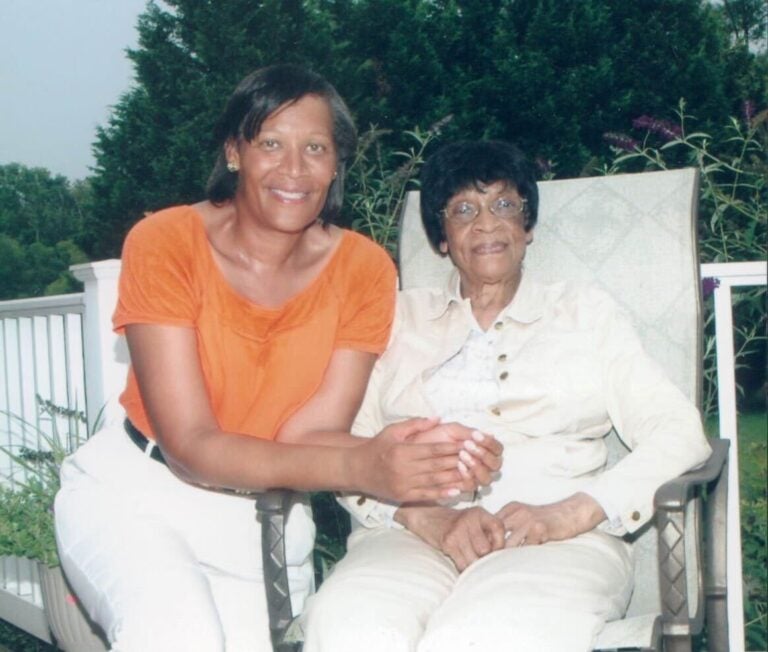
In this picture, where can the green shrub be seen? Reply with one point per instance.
(379, 180)
(26, 499)
(753, 452)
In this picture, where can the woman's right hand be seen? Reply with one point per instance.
(421, 460)
(389, 466)
(481, 456)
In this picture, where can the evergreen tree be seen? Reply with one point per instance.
(41, 219)
(553, 75)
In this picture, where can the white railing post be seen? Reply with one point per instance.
(731, 275)
(106, 355)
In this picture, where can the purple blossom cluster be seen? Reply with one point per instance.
(667, 130)
(544, 165)
(709, 285)
(621, 141)
(748, 112)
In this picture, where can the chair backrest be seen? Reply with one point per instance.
(634, 235)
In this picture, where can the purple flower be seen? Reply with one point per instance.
(544, 165)
(667, 130)
(643, 122)
(621, 141)
(708, 286)
(436, 128)
(748, 111)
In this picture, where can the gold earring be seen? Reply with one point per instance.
(232, 166)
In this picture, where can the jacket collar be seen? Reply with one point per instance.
(526, 307)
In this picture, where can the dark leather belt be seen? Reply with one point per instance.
(138, 438)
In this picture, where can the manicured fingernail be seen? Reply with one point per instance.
(466, 458)
(471, 446)
(477, 435)
(463, 469)
(452, 493)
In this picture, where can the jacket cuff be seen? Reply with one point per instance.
(370, 512)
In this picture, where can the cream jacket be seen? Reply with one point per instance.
(570, 368)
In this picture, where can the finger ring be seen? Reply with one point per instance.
(507, 534)
(522, 542)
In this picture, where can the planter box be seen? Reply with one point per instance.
(70, 625)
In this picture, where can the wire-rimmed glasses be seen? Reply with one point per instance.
(505, 208)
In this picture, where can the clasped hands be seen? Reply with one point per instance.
(423, 460)
(466, 535)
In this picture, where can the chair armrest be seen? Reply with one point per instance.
(673, 495)
(272, 508)
(685, 594)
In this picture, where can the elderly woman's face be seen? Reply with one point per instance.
(287, 169)
(489, 248)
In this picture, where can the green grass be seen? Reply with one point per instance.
(16, 640)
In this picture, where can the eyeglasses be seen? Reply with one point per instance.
(464, 212)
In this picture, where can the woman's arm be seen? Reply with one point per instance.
(327, 416)
(170, 378)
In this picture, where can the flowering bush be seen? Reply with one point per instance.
(379, 179)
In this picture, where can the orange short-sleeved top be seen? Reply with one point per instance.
(260, 364)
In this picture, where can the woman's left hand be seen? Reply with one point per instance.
(464, 535)
(534, 524)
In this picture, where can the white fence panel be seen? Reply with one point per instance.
(41, 359)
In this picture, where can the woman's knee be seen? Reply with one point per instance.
(521, 630)
(348, 615)
(142, 628)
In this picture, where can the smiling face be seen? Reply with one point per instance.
(286, 170)
(488, 250)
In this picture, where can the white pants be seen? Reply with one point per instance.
(395, 593)
(162, 565)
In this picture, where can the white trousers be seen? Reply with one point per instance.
(162, 565)
(395, 593)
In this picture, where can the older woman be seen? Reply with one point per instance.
(253, 325)
(535, 562)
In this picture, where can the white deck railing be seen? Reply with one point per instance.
(63, 350)
(41, 355)
(729, 276)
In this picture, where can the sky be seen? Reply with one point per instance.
(62, 67)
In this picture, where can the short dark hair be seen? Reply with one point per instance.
(462, 164)
(259, 95)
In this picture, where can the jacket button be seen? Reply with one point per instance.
(361, 500)
(504, 375)
(502, 357)
(496, 411)
(498, 325)
(635, 516)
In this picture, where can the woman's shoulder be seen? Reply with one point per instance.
(358, 252)
(585, 303)
(169, 223)
(417, 305)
